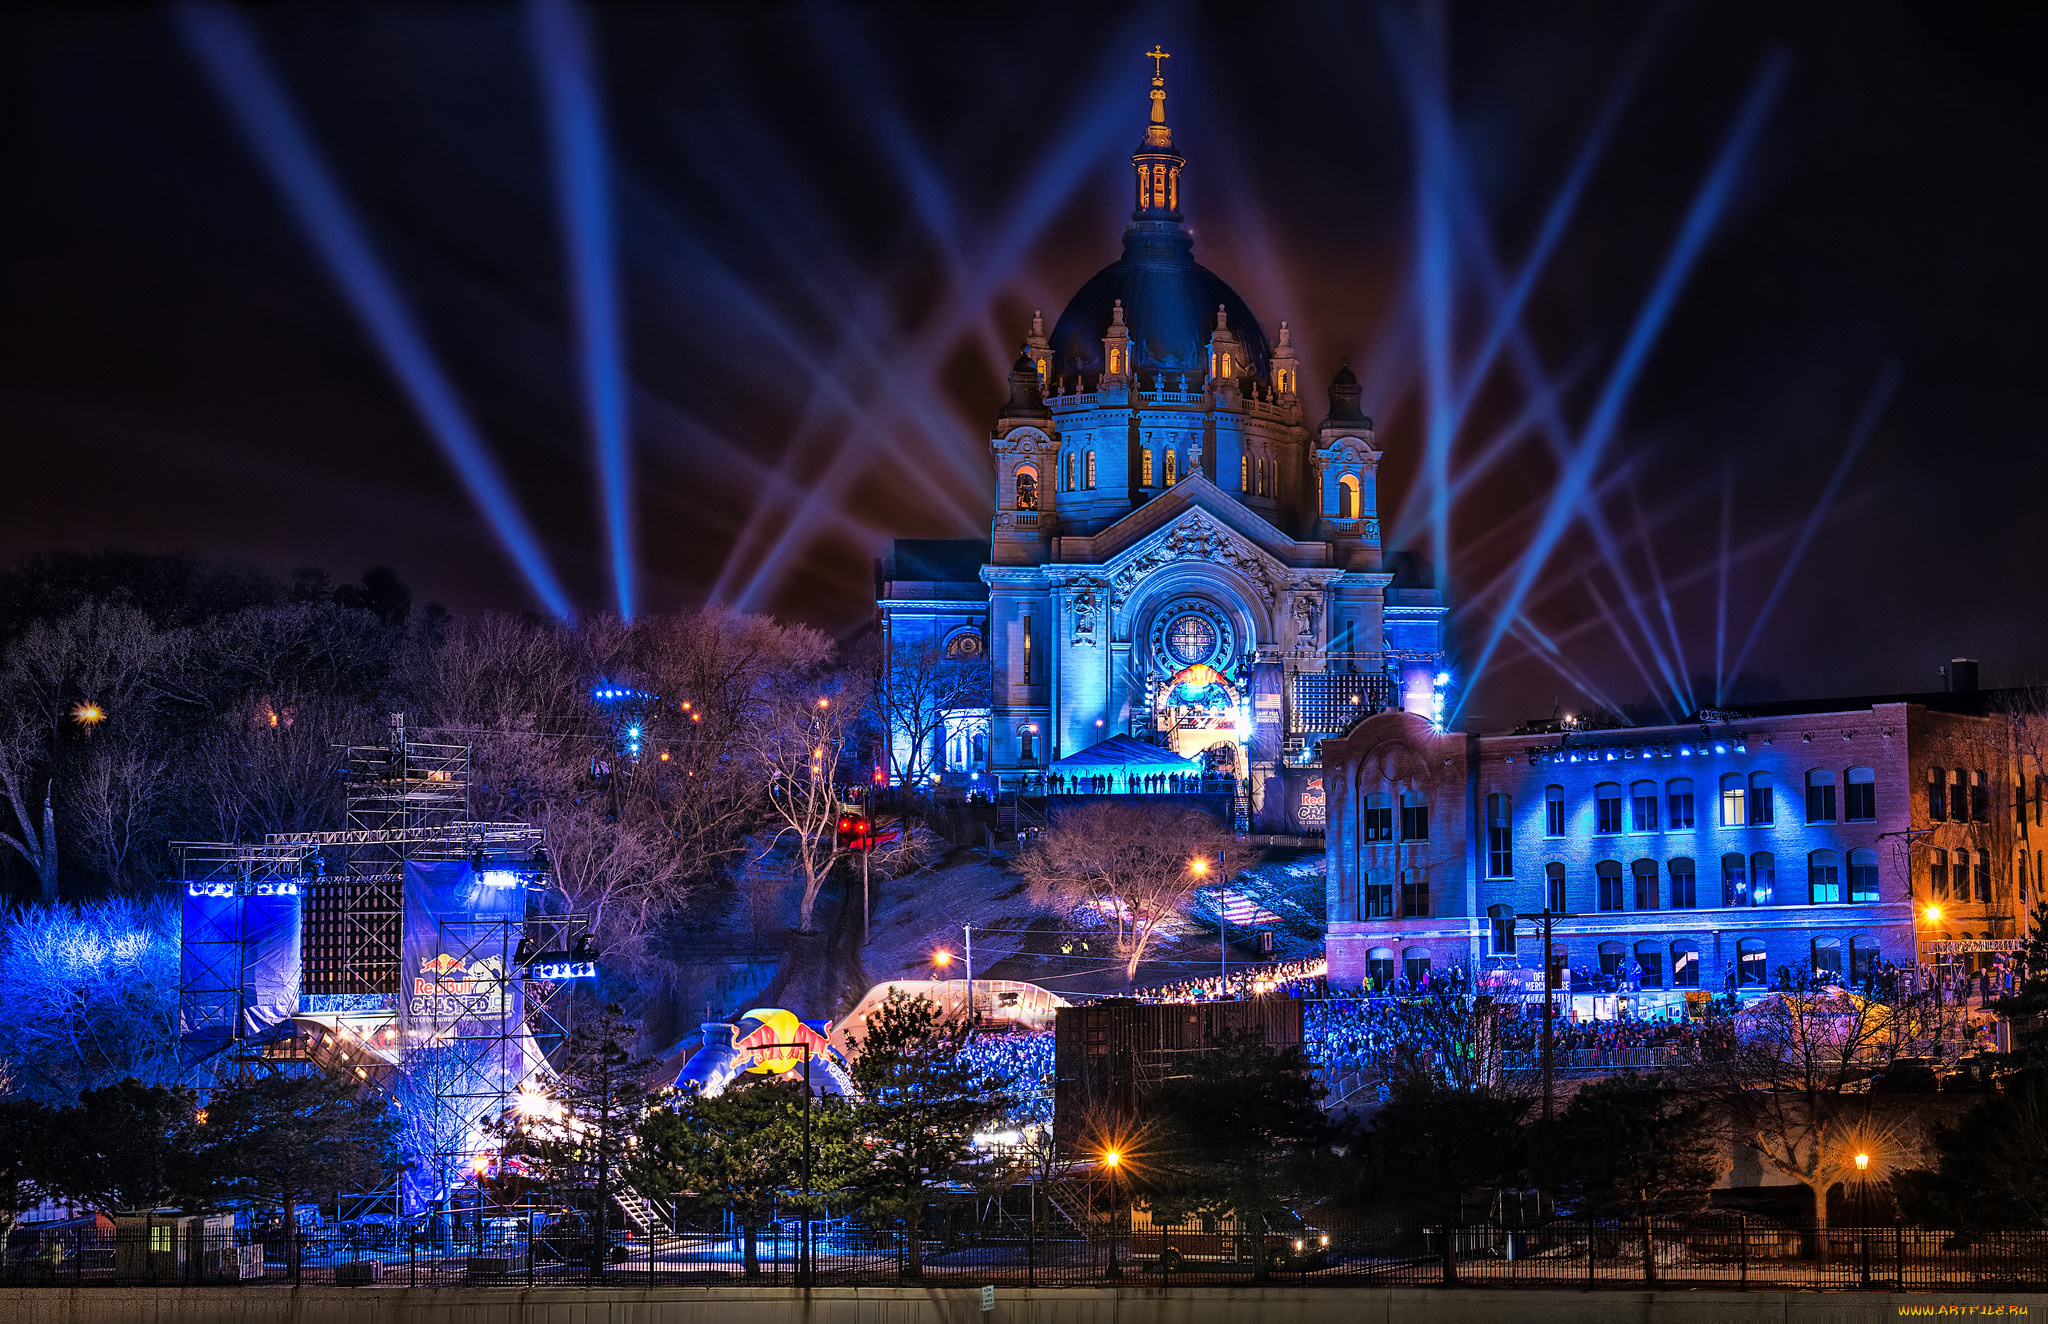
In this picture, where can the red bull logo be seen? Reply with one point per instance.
(771, 1027)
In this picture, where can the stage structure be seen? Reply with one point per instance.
(432, 958)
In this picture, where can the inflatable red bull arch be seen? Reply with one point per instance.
(766, 1041)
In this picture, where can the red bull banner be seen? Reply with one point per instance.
(461, 927)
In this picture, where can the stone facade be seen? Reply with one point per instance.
(1807, 832)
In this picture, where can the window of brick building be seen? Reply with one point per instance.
(1763, 878)
(1937, 795)
(1678, 799)
(1642, 806)
(1861, 802)
(1607, 807)
(1823, 878)
(1734, 810)
(1685, 964)
(1414, 894)
(1863, 875)
(1684, 891)
(1820, 796)
(1414, 816)
(1553, 886)
(1645, 872)
(1609, 874)
(1762, 805)
(1500, 836)
(1734, 880)
(1379, 817)
(1553, 811)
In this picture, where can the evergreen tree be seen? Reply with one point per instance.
(921, 1101)
(1238, 1133)
(28, 1149)
(1433, 1148)
(579, 1143)
(276, 1141)
(1991, 1168)
(129, 1146)
(743, 1149)
(2027, 1008)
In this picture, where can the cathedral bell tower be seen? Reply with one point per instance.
(1157, 164)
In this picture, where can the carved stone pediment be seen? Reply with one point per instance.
(1024, 441)
(1195, 536)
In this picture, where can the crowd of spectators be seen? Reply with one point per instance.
(1024, 1059)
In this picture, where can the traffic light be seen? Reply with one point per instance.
(856, 832)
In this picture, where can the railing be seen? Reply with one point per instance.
(1062, 1239)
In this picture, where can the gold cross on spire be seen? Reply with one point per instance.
(1156, 54)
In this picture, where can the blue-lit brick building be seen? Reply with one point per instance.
(1828, 835)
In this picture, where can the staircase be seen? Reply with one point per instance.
(641, 1213)
(1070, 1201)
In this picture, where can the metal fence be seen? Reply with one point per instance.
(1731, 1253)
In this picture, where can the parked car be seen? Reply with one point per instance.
(568, 1238)
(1281, 1239)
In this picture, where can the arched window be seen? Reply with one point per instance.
(1069, 485)
(1244, 473)
(1645, 872)
(1732, 807)
(1937, 873)
(1651, 958)
(1642, 806)
(1379, 817)
(1751, 963)
(1414, 816)
(1159, 186)
(1685, 964)
(1762, 809)
(1379, 968)
(1172, 468)
(980, 748)
(1863, 956)
(1678, 799)
(1414, 894)
(1415, 964)
(1553, 811)
(1262, 477)
(1983, 875)
(1348, 506)
(1734, 880)
(1763, 878)
(1502, 921)
(1500, 836)
(1980, 798)
(1861, 802)
(1090, 481)
(1145, 467)
(1027, 739)
(1820, 796)
(1379, 894)
(1863, 875)
(1608, 872)
(1684, 887)
(1607, 807)
(1553, 886)
(1937, 795)
(1827, 959)
(1959, 796)
(1611, 954)
(1027, 487)
(964, 645)
(1823, 878)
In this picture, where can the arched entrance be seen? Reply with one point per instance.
(1201, 715)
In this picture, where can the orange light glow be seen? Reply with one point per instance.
(88, 714)
(942, 958)
(1111, 1159)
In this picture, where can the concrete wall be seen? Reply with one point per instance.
(713, 1305)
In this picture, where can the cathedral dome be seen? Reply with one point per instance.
(1170, 303)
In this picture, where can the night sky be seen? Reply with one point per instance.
(833, 224)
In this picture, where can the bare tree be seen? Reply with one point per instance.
(35, 837)
(922, 690)
(800, 749)
(1792, 1078)
(116, 803)
(1136, 866)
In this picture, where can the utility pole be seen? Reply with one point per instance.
(967, 930)
(1545, 917)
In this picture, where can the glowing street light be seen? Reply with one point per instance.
(1863, 1163)
(1198, 867)
(942, 958)
(1932, 914)
(1111, 1158)
(88, 715)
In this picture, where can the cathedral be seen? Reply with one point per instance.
(1181, 557)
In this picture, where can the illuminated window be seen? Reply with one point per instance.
(1262, 478)
(1685, 964)
(1027, 488)
(1026, 739)
(1651, 958)
(1145, 467)
(1861, 802)
(1159, 186)
(1610, 894)
(1223, 370)
(1347, 497)
(1827, 959)
(1415, 964)
(1751, 963)
(1611, 956)
(1070, 471)
(1863, 875)
(1823, 878)
(1763, 878)
(1116, 360)
(1734, 880)
(1172, 468)
(1091, 471)
(1732, 807)
(1863, 954)
(1244, 473)
(1172, 188)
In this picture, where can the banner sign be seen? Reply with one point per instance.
(460, 930)
(1958, 946)
(1307, 804)
(239, 962)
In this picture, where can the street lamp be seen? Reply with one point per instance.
(804, 1250)
(1112, 1160)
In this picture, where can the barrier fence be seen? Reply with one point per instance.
(511, 1252)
